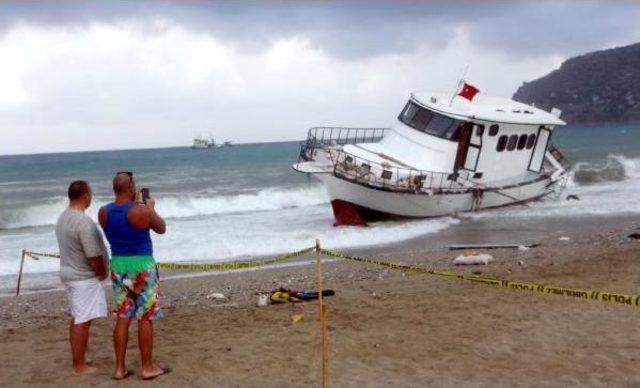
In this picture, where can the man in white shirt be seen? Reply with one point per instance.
(82, 268)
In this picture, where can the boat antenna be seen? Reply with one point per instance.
(460, 81)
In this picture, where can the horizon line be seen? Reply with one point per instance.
(140, 149)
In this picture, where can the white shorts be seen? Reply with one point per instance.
(86, 300)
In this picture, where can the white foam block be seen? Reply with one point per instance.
(481, 258)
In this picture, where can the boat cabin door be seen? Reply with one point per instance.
(475, 145)
(537, 157)
(469, 147)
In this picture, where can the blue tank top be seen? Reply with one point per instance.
(126, 240)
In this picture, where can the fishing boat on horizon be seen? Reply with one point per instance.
(445, 154)
(200, 142)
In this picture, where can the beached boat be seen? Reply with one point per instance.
(444, 155)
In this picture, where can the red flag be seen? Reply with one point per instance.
(468, 91)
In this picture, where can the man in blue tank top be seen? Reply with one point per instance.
(127, 223)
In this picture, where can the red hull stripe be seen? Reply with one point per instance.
(346, 213)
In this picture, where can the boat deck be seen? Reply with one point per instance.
(375, 153)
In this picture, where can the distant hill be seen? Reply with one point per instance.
(598, 87)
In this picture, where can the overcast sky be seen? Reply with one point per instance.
(109, 75)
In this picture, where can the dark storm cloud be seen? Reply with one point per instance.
(357, 29)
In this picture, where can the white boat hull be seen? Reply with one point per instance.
(409, 205)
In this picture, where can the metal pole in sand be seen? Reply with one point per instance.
(323, 320)
(24, 252)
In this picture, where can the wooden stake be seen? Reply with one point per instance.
(24, 252)
(319, 270)
(323, 321)
(325, 347)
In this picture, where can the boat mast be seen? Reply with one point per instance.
(460, 81)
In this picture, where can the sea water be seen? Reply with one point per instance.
(246, 200)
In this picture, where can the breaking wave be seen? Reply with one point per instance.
(178, 207)
(263, 200)
(603, 188)
(611, 169)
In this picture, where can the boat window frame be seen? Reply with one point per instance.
(450, 131)
(501, 144)
(522, 141)
(421, 119)
(531, 141)
(453, 133)
(513, 142)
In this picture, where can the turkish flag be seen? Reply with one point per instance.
(468, 91)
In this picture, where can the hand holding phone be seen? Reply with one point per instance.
(144, 194)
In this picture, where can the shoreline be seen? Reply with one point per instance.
(468, 230)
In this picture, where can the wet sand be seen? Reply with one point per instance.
(386, 328)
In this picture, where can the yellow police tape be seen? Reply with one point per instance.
(233, 265)
(224, 266)
(610, 297)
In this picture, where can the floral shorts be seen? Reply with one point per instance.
(136, 295)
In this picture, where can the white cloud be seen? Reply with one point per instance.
(130, 84)
(14, 66)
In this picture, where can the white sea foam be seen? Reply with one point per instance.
(240, 235)
(177, 207)
(596, 196)
(45, 213)
(268, 199)
(271, 234)
(631, 165)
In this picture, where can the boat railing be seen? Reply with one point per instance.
(323, 137)
(394, 178)
(557, 167)
(559, 157)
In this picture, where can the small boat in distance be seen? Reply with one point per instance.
(445, 154)
(201, 142)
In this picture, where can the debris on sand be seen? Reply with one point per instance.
(473, 259)
(216, 296)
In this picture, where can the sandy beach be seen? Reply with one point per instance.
(386, 328)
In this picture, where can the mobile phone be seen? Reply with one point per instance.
(145, 194)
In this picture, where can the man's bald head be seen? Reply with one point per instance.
(123, 184)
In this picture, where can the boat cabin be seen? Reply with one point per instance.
(490, 140)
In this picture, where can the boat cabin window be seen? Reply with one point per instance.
(493, 130)
(502, 143)
(510, 143)
(522, 141)
(479, 130)
(531, 141)
(430, 122)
